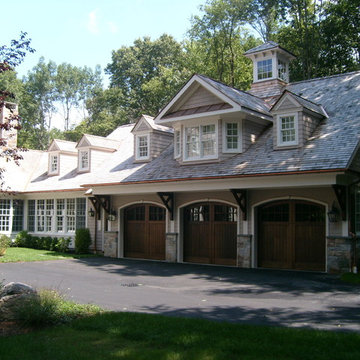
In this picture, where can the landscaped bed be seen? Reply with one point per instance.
(14, 254)
(142, 336)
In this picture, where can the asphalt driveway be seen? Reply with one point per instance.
(281, 298)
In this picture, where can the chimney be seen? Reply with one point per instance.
(270, 70)
(8, 136)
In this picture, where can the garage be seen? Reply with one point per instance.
(291, 235)
(210, 231)
(144, 232)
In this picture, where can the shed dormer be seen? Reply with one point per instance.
(93, 151)
(295, 119)
(61, 153)
(150, 139)
(270, 69)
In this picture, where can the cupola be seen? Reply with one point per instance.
(270, 69)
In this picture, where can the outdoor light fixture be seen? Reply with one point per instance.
(333, 214)
(91, 212)
(112, 216)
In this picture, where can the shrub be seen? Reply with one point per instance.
(62, 244)
(5, 242)
(50, 308)
(22, 239)
(82, 241)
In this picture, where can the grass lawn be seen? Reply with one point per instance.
(23, 254)
(141, 336)
(351, 278)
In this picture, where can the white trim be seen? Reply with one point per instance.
(290, 197)
(279, 141)
(239, 123)
(137, 146)
(177, 154)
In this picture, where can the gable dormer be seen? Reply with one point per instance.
(93, 151)
(270, 69)
(212, 121)
(295, 119)
(150, 139)
(61, 154)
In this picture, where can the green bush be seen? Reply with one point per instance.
(22, 239)
(5, 242)
(63, 244)
(50, 308)
(82, 241)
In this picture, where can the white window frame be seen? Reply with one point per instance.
(177, 143)
(279, 118)
(239, 136)
(52, 156)
(80, 164)
(199, 126)
(137, 144)
(272, 59)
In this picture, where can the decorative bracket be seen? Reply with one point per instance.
(168, 200)
(100, 201)
(341, 195)
(240, 196)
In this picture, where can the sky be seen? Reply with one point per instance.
(85, 32)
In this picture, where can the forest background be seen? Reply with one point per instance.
(323, 34)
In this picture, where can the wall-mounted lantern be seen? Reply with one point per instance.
(112, 215)
(91, 212)
(333, 214)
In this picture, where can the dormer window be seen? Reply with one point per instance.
(287, 130)
(142, 147)
(84, 160)
(232, 137)
(264, 68)
(54, 164)
(200, 142)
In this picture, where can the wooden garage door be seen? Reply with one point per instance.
(291, 235)
(210, 234)
(144, 235)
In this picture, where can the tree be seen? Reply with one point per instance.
(134, 69)
(10, 57)
(218, 42)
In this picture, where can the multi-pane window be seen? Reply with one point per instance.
(264, 69)
(60, 215)
(177, 139)
(287, 130)
(54, 163)
(143, 147)
(5, 212)
(282, 70)
(232, 137)
(84, 160)
(200, 142)
(18, 215)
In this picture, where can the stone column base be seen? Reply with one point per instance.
(339, 254)
(111, 244)
(244, 251)
(171, 247)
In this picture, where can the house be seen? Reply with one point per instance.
(267, 178)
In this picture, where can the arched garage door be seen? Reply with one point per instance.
(210, 233)
(291, 235)
(144, 232)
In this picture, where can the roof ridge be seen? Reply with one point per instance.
(292, 93)
(324, 77)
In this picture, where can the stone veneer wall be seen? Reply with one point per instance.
(111, 244)
(171, 247)
(244, 251)
(340, 253)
